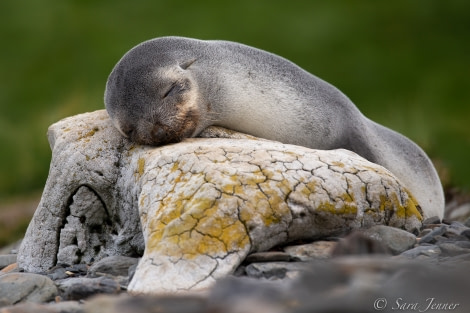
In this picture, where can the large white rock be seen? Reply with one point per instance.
(197, 208)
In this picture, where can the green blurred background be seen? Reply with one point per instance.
(404, 63)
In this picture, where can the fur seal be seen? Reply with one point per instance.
(170, 88)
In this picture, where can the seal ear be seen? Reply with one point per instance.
(187, 63)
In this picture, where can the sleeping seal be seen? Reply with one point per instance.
(170, 88)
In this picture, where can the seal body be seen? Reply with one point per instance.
(170, 88)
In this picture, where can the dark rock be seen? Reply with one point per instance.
(82, 288)
(466, 233)
(7, 259)
(357, 243)
(113, 265)
(268, 256)
(78, 269)
(57, 272)
(26, 287)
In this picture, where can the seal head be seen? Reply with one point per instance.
(153, 101)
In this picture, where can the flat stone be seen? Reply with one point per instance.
(82, 288)
(26, 287)
(396, 240)
(315, 250)
(7, 259)
(117, 265)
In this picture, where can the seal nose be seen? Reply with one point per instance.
(159, 134)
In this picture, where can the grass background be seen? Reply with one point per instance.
(404, 63)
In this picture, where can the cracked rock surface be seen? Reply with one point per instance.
(194, 210)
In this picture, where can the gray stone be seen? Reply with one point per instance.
(82, 288)
(315, 250)
(457, 228)
(453, 249)
(396, 240)
(431, 237)
(432, 251)
(432, 220)
(113, 265)
(57, 272)
(7, 259)
(26, 287)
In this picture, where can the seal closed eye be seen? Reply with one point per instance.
(170, 88)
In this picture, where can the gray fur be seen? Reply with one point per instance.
(169, 88)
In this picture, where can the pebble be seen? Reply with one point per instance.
(330, 276)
